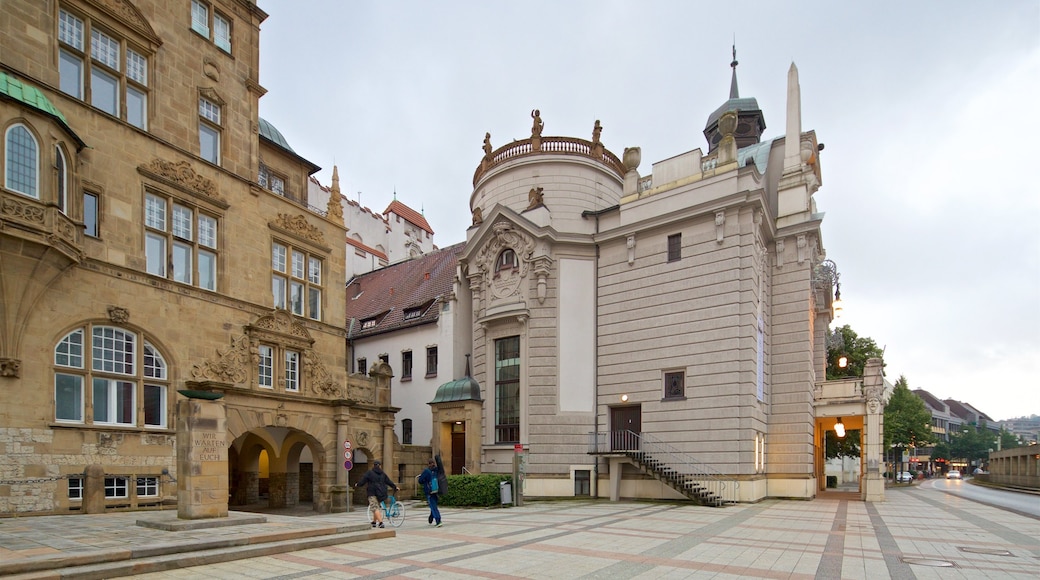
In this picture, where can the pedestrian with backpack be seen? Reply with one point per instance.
(430, 480)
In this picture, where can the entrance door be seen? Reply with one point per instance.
(458, 451)
(625, 427)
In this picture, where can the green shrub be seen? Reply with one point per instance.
(832, 481)
(474, 490)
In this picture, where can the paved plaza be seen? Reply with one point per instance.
(915, 533)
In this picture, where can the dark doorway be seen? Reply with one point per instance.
(458, 448)
(625, 426)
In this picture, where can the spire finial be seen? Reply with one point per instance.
(734, 93)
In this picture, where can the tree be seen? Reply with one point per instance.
(1008, 440)
(847, 446)
(972, 443)
(941, 452)
(845, 342)
(908, 423)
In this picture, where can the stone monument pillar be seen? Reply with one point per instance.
(202, 458)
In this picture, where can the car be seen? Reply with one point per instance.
(904, 477)
(953, 474)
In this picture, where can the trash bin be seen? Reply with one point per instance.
(505, 490)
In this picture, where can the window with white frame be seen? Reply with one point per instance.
(280, 367)
(75, 488)
(211, 24)
(21, 161)
(209, 130)
(126, 375)
(91, 203)
(61, 185)
(292, 371)
(271, 180)
(117, 487)
(296, 281)
(180, 242)
(147, 486)
(265, 371)
(103, 69)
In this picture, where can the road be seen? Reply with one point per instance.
(1020, 502)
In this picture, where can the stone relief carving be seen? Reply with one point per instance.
(231, 364)
(779, 253)
(542, 266)
(26, 212)
(505, 236)
(631, 243)
(125, 12)
(802, 247)
(181, 173)
(720, 223)
(10, 367)
(321, 380)
(284, 323)
(299, 226)
(118, 315)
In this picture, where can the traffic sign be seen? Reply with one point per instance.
(347, 465)
(519, 448)
(346, 444)
(347, 455)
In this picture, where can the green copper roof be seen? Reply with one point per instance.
(16, 90)
(465, 389)
(269, 132)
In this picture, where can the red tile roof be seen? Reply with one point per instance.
(386, 294)
(409, 214)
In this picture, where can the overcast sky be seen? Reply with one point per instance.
(928, 111)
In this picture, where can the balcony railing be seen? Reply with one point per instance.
(551, 146)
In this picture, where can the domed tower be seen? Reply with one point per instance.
(750, 121)
(530, 260)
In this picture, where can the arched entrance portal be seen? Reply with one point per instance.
(273, 468)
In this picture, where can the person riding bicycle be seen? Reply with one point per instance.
(377, 482)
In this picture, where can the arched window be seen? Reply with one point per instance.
(62, 189)
(22, 161)
(506, 261)
(128, 386)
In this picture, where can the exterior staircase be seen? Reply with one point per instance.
(679, 470)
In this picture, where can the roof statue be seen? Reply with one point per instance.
(537, 125)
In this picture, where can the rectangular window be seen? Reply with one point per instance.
(222, 33)
(269, 180)
(173, 247)
(221, 25)
(154, 406)
(75, 488)
(200, 18)
(292, 371)
(675, 385)
(296, 281)
(118, 73)
(147, 487)
(507, 390)
(68, 398)
(674, 247)
(406, 431)
(209, 130)
(116, 487)
(406, 365)
(113, 401)
(90, 215)
(265, 372)
(431, 361)
(362, 366)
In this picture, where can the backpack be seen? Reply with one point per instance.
(434, 488)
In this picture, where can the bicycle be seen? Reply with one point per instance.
(394, 513)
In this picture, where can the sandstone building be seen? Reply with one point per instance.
(156, 236)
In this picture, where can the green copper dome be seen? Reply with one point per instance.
(464, 389)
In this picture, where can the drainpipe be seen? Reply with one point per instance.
(595, 379)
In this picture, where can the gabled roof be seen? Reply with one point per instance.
(409, 214)
(967, 412)
(414, 286)
(933, 402)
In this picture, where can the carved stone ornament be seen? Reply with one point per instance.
(631, 244)
(283, 323)
(22, 211)
(478, 216)
(802, 247)
(504, 236)
(231, 365)
(542, 265)
(321, 381)
(181, 173)
(298, 226)
(720, 223)
(10, 368)
(118, 315)
(125, 12)
(779, 253)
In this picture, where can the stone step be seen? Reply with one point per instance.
(122, 563)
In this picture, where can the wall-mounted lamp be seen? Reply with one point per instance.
(843, 361)
(624, 398)
(839, 428)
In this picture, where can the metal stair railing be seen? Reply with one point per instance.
(679, 469)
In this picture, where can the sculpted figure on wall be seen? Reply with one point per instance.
(478, 216)
(536, 127)
(535, 198)
(487, 145)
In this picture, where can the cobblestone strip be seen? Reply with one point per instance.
(897, 569)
